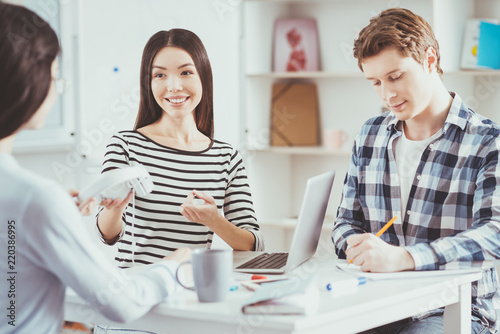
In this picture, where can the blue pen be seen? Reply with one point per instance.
(346, 284)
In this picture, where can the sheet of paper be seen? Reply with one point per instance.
(356, 270)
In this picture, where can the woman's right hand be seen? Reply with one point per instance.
(117, 204)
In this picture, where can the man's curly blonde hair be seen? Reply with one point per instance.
(399, 28)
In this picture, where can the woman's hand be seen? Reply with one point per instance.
(117, 204)
(179, 255)
(203, 210)
(87, 207)
(205, 213)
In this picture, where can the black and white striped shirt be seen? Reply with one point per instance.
(158, 227)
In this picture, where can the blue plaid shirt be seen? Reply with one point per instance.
(452, 217)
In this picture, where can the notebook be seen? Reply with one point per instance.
(306, 235)
(294, 295)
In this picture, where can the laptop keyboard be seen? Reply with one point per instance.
(266, 261)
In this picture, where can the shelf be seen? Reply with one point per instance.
(300, 1)
(335, 75)
(473, 72)
(302, 150)
(306, 75)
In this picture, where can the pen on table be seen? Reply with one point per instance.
(255, 284)
(250, 286)
(346, 284)
(386, 226)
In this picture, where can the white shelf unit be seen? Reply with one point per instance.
(302, 150)
(278, 175)
(359, 75)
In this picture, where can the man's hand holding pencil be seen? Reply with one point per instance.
(375, 255)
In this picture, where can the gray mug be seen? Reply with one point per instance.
(212, 269)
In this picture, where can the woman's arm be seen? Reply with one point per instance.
(60, 243)
(109, 220)
(208, 215)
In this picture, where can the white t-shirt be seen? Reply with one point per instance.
(49, 248)
(408, 154)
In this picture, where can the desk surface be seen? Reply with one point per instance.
(374, 304)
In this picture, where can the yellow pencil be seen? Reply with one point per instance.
(386, 226)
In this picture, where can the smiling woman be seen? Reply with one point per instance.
(173, 140)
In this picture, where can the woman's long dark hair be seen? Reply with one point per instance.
(28, 47)
(149, 110)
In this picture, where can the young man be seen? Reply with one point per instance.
(431, 161)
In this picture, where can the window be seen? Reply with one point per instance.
(59, 128)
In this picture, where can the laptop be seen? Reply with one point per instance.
(306, 235)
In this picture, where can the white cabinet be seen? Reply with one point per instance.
(346, 99)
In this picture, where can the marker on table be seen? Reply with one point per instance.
(386, 226)
(255, 284)
(346, 284)
(250, 286)
(246, 277)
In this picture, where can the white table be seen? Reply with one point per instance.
(374, 304)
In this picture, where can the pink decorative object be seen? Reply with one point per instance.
(334, 139)
(295, 45)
